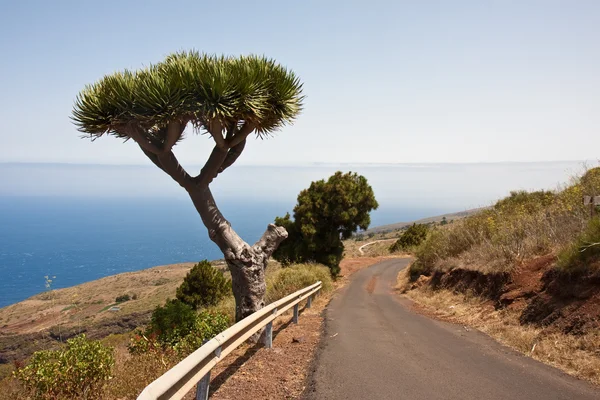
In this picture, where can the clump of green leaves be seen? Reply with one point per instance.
(584, 251)
(207, 325)
(176, 326)
(78, 371)
(411, 238)
(204, 285)
(171, 322)
(122, 298)
(190, 86)
(327, 213)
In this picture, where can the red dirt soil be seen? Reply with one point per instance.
(546, 297)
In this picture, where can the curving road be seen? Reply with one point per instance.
(375, 347)
(360, 249)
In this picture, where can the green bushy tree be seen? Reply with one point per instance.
(78, 371)
(412, 237)
(328, 212)
(204, 285)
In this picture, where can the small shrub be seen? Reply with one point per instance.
(122, 298)
(80, 370)
(204, 285)
(584, 251)
(412, 237)
(207, 326)
(288, 280)
(142, 342)
(171, 322)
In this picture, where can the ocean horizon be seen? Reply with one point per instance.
(77, 223)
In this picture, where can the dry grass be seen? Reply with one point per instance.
(89, 302)
(517, 228)
(576, 355)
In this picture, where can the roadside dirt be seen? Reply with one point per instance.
(549, 315)
(544, 297)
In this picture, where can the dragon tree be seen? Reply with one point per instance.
(228, 98)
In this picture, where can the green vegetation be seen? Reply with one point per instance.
(171, 322)
(584, 251)
(411, 238)
(519, 227)
(123, 298)
(288, 280)
(327, 213)
(203, 286)
(176, 330)
(78, 371)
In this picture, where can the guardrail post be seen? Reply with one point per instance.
(202, 387)
(309, 302)
(295, 313)
(269, 335)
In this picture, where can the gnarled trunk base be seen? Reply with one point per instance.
(248, 284)
(247, 265)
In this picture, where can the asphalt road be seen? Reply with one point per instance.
(375, 347)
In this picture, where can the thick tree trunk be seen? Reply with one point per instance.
(246, 263)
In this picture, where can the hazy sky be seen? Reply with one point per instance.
(386, 81)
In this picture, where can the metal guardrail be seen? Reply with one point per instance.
(195, 368)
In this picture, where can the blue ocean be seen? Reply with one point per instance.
(78, 223)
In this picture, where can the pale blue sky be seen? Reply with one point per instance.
(386, 81)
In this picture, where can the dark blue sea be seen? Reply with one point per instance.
(81, 223)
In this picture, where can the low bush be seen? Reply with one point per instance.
(584, 251)
(171, 322)
(78, 371)
(295, 277)
(204, 285)
(207, 326)
(122, 298)
(411, 238)
(183, 338)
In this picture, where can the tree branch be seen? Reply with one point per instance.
(219, 229)
(270, 240)
(135, 132)
(174, 131)
(170, 165)
(215, 128)
(240, 135)
(232, 155)
(212, 166)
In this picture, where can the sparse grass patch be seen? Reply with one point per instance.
(6, 370)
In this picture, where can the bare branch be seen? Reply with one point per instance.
(271, 239)
(212, 166)
(135, 132)
(174, 131)
(232, 155)
(215, 128)
(170, 165)
(588, 246)
(240, 135)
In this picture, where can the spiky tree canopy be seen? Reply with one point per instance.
(215, 93)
